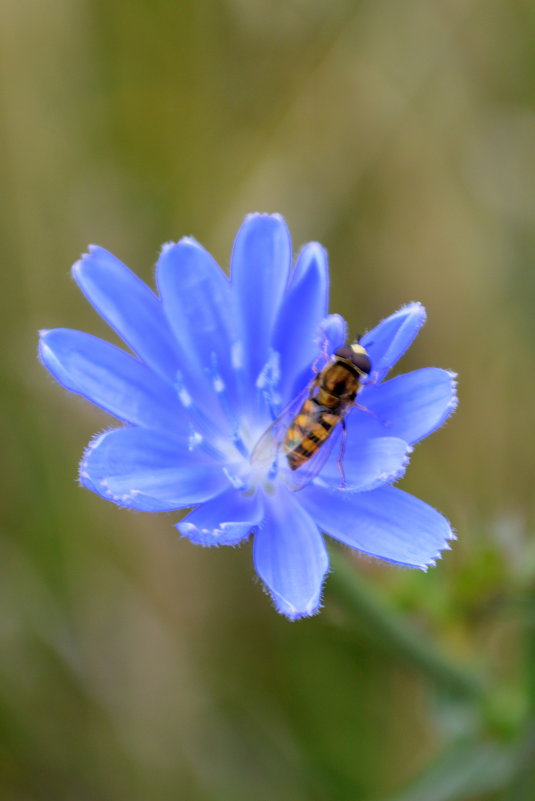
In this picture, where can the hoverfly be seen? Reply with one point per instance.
(304, 433)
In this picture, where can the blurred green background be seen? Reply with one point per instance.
(400, 134)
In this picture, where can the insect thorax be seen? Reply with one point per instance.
(338, 382)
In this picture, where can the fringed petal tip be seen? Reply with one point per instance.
(388, 341)
(314, 250)
(386, 523)
(454, 402)
(423, 566)
(101, 486)
(166, 247)
(451, 406)
(96, 250)
(414, 307)
(228, 534)
(289, 610)
(92, 252)
(266, 215)
(395, 475)
(398, 474)
(293, 615)
(409, 406)
(145, 469)
(414, 311)
(227, 519)
(183, 241)
(126, 500)
(432, 561)
(290, 556)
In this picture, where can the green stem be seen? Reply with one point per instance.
(395, 633)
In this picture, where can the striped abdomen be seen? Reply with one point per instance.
(309, 430)
(334, 392)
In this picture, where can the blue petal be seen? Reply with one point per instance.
(149, 470)
(297, 331)
(110, 378)
(334, 329)
(367, 463)
(410, 406)
(388, 341)
(290, 556)
(260, 268)
(386, 523)
(332, 334)
(198, 302)
(225, 520)
(129, 307)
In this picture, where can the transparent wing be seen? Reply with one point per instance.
(297, 479)
(268, 446)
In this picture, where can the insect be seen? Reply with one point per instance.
(304, 432)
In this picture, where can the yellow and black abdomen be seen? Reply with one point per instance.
(335, 390)
(309, 430)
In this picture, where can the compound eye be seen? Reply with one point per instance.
(344, 352)
(361, 362)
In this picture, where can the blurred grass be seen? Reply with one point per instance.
(400, 135)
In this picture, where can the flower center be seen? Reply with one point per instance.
(248, 446)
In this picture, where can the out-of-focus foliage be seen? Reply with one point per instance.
(400, 135)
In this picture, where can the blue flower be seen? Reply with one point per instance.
(216, 360)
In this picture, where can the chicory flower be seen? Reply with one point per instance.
(216, 359)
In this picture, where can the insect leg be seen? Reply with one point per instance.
(342, 451)
(369, 411)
